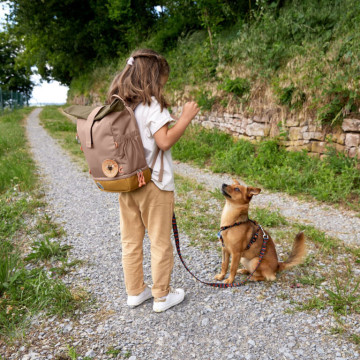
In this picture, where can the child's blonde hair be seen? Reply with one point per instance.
(143, 77)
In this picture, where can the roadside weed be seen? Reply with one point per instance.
(311, 279)
(345, 297)
(47, 250)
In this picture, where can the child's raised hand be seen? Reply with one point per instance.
(190, 110)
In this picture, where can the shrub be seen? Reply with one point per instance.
(205, 100)
(238, 86)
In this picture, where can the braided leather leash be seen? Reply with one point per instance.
(218, 285)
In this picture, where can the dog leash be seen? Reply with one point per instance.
(218, 285)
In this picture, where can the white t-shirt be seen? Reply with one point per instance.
(150, 119)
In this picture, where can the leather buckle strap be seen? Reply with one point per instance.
(89, 124)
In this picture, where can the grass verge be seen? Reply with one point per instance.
(64, 130)
(336, 179)
(32, 258)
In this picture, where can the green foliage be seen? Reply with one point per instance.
(311, 279)
(306, 52)
(346, 298)
(199, 146)
(205, 100)
(14, 75)
(25, 290)
(328, 244)
(64, 39)
(12, 210)
(340, 102)
(291, 96)
(15, 161)
(47, 250)
(33, 290)
(238, 86)
(269, 164)
(9, 266)
(63, 129)
(268, 218)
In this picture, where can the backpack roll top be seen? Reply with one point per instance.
(113, 149)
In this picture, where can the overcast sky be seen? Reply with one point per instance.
(43, 93)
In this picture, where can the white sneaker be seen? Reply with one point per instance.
(174, 297)
(133, 301)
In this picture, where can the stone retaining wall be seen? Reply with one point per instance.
(299, 133)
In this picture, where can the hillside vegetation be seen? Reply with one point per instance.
(302, 56)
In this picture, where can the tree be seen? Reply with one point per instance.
(14, 76)
(65, 38)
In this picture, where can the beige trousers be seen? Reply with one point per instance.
(152, 209)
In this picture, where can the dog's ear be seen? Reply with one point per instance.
(252, 191)
(235, 182)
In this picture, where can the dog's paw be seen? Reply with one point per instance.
(228, 281)
(219, 277)
(243, 271)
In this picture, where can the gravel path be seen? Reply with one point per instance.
(209, 324)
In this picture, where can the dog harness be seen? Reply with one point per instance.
(253, 238)
(222, 285)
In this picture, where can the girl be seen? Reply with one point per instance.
(150, 207)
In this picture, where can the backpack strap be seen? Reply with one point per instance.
(89, 124)
(161, 173)
(129, 108)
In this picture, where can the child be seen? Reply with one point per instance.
(150, 207)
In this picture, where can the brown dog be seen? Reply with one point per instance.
(236, 239)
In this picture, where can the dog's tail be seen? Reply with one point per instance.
(297, 255)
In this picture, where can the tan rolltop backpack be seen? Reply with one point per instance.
(111, 142)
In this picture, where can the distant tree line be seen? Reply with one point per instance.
(65, 38)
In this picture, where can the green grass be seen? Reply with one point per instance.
(63, 129)
(326, 243)
(335, 179)
(16, 165)
(26, 290)
(268, 218)
(194, 205)
(343, 296)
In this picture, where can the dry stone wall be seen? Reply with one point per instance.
(299, 133)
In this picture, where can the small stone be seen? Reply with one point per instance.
(205, 322)
(90, 353)
(251, 342)
(67, 328)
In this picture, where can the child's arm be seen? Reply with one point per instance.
(165, 138)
